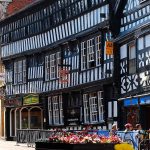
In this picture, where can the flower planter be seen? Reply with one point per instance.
(64, 146)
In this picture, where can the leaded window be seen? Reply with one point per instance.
(91, 53)
(132, 58)
(52, 66)
(45, 18)
(98, 50)
(83, 56)
(55, 110)
(20, 71)
(52, 63)
(93, 107)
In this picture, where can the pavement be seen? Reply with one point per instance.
(11, 145)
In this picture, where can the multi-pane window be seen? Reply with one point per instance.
(45, 18)
(93, 107)
(86, 108)
(58, 63)
(100, 105)
(47, 70)
(98, 50)
(52, 66)
(20, 71)
(52, 63)
(91, 53)
(83, 56)
(132, 58)
(55, 110)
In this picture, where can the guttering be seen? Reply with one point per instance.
(120, 99)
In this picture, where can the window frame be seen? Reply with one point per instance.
(52, 66)
(91, 52)
(19, 71)
(132, 61)
(93, 107)
(55, 110)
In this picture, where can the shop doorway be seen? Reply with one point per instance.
(145, 115)
(36, 118)
(133, 115)
(25, 118)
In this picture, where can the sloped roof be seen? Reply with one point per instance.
(17, 5)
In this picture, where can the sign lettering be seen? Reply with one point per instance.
(109, 48)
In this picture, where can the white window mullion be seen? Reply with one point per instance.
(47, 70)
(61, 110)
(93, 108)
(55, 110)
(24, 71)
(86, 108)
(15, 72)
(100, 106)
(52, 66)
(98, 50)
(58, 63)
(83, 56)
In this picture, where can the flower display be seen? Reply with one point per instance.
(82, 138)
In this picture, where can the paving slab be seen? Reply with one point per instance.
(11, 145)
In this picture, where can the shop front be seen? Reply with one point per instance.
(24, 113)
(145, 111)
(137, 110)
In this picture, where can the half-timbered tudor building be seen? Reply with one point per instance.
(57, 72)
(134, 43)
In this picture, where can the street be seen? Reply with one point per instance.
(11, 145)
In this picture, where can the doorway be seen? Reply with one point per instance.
(145, 115)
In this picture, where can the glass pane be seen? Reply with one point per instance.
(35, 120)
(24, 118)
(132, 53)
(12, 123)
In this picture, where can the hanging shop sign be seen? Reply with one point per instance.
(13, 101)
(109, 47)
(31, 99)
(63, 75)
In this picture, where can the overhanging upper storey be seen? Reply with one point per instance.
(135, 14)
(43, 25)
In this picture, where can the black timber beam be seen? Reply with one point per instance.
(116, 13)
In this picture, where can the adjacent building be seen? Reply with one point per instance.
(2, 98)
(58, 73)
(134, 44)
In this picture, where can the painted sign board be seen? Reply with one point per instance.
(31, 99)
(13, 101)
(109, 47)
